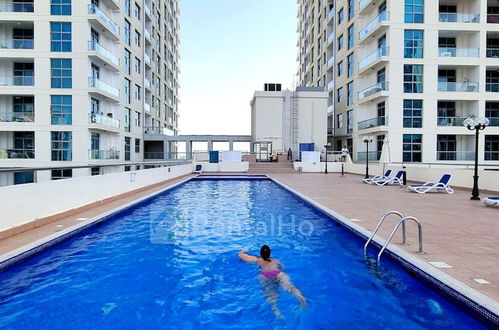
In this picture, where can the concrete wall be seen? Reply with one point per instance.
(21, 204)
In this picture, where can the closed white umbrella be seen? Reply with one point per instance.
(385, 154)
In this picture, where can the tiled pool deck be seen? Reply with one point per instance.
(457, 231)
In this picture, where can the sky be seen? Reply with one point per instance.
(228, 50)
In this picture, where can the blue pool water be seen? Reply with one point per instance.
(172, 263)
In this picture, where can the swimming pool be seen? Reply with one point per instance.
(171, 262)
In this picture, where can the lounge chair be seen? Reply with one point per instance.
(491, 201)
(377, 177)
(397, 179)
(198, 169)
(440, 186)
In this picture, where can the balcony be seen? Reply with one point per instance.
(19, 117)
(450, 121)
(374, 24)
(373, 155)
(456, 155)
(373, 122)
(373, 57)
(372, 90)
(100, 18)
(147, 107)
(103, 154)
(330, 15)
(103, 55)
(113, 4)
(493, 121)
(147, 59)
(147, 10)
(99, 121)
(17, 44)
(458, 52)
(330, 62)
(330, 85)
(16, 7)
(17, 153)
(17, 81)
(364, 4)
(492, 87)
(330, 38)
(460, 86)
(458, 18)
(147, 34)
(108, 90)
(147, 83)
(158, 130)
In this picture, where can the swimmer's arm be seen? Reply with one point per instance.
(246, 257)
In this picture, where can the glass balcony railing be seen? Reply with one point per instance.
(373, 155)
(95, 118)
(459, 18)
(363, 3)
(16, 7)
(158, 130)
(330, 61)
(147, 83)
(330, 14)
(493, 121)
(147, 107)
(147, 10)
(458, 52)
(17, 117)
(147, 58)
(373, 122)
(17, 81)
(147, 34)
(17, 153)
(17, 44)
(492, 87)
(459, 86)
(376, 88)
(95, 10)
(455, 155)
(373, 57)
(98, 48)
(330, 38)
(330, 85)
(97, 83)
(382, 17)
(450, 121)
(103, 154)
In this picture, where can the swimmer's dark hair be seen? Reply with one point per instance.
(265, 253)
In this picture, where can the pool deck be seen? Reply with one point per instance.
(457, 231)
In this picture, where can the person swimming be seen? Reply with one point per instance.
(272, 276)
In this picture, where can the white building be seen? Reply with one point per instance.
(82, 82)
(410, 71)
(284, 119)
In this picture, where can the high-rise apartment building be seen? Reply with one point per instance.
(409, 72)
(84, 82)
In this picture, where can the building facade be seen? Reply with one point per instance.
(84, 82)
(408, 73)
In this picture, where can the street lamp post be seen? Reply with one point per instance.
(367, 140)
(325, 148)
(476, 124)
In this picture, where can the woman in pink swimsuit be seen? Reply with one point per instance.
(271, 275)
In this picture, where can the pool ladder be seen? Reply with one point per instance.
(401, 221)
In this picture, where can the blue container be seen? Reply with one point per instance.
(307, 147)
(213, 156)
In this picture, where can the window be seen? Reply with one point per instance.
(339, 95)
(411, 145)
(413, 78)
(126, 34)
(61, 73)
(138, 119)
(60, 37)
(23, 106)
(350, 122)
(351, 9)
(62, 174)
(446, 147)
(340, 42)
(61, 146)
(136, 11)
(137, 65)
(60, 7)
(23, 38)
(339, 120)
(61, 109)
(136, 92)
(351, 37)
(340, 68)
(127, 147)
(491, 147)
(126, 6)
(95, 171)
(127, 87)
(341, 16)
(350, 65)
(24, 145)
(23, 74)
(128, 114)
(413, 110)
(137, 38)
(350, 93)
(24, 177)
(446, 112)
(413, 43)
(126, 63)
(414, 11)
(137, 145)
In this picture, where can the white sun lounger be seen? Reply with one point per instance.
(397, 179)
(440, 186)
(377, 177)
(491, 201)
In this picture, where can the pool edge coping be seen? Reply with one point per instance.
(461, 288)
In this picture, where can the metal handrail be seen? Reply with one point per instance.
(402, 221)
(379, 225)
